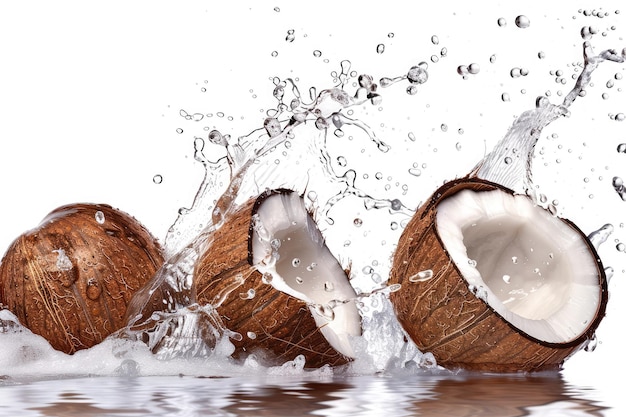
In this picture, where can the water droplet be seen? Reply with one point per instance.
(479, 291)
(366, 81)
(249, 295)
(620, 117)
(157, 179)
(380, 48)
(473, 68)
(592, 344)
(522, 21)
(492, 58)
(620, 247)
(325, 311)
(618, 185)
(396, 204)
(422, 276)
(317, 53)
(472, 262)
(514, 259)
(99, 217)
(502, 22)
(64, 263)
(272, 127)
(290, 35)
(394, 288)
(267, 278)
(179, 130)
(506, 278)
(541, 55)
(411, 90)
(251, 335)
(434, 39)
(600, 236)
(93, 289)
(295, 262)
(505, 97)
(357, 222)
(329, 286)
(417, 75)
(621, 148)
(608, 272)
(321, 123)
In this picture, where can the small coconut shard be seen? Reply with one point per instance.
(270, 275)
(513, 288)
(71, 278)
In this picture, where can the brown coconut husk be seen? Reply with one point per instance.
(71, 278)
(444, 317)
(274, 325)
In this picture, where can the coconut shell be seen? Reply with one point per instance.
(71, 278)
(444, 317)
(272, 323)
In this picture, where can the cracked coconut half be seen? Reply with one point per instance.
(491, 281)
(273, 280)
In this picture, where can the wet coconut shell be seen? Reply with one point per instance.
(444, 317)
(269, 321)
(71, 278)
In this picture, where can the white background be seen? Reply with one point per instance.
(90, 94)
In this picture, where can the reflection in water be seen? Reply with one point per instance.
(366, 395)
(506, 396)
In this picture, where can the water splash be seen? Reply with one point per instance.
(180, 327)
(509, 163)
(249, 164)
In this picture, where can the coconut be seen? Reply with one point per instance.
(273, 280)
(492, 282)
(71, 278)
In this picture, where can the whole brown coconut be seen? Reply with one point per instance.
(301, 303)
(70, 279)
(492, 282)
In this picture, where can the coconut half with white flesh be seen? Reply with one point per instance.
(273, 280)
(490, 281)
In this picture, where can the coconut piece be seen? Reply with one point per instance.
(274, 281)
(71, 278)
(490, 281)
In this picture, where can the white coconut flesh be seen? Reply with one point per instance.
(288, 248)
(532, 268)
